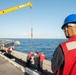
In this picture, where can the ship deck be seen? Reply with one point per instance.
(8, 69)
(18, 66)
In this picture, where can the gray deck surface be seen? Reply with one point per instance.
(8, 69)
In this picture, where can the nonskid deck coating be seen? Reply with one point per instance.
(8, 69)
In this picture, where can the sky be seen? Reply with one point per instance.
(45, 17)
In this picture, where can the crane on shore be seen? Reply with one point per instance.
(16, 8)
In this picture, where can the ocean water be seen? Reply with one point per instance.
(47, 46)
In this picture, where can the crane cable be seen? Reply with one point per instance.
(31, 33)
(31, 26)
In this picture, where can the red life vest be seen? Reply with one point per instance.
(8, 49)
(69, 50)
(30, 54)
(41, 57)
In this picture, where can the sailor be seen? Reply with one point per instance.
(9, 50)
(40, 62)
(36, 58)
(64, 57)
(37, 52)
(29, 57)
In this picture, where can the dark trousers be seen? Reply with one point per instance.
(28, 62)
(36, 62)
(40, 66)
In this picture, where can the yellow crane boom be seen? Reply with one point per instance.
(15, 8)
